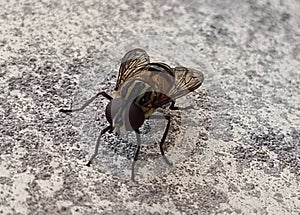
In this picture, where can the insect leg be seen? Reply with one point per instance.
(98, 144)
(161, 144)
(173, 107)
(87, 102)
(138, 138)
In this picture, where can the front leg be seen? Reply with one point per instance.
(87, 103)
(108, 128)
(136, 155)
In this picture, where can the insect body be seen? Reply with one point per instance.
(141, 88)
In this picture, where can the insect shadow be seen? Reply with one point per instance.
(141, 88)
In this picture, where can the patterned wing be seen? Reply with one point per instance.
(186, 80)
(132, 63)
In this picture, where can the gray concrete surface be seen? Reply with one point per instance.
(241, 154)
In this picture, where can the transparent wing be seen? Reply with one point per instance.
(132, 63)
(186, 80)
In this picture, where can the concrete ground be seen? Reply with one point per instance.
(236, 152)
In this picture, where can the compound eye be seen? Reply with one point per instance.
(112, 109)
(108, 112)
(136, 116)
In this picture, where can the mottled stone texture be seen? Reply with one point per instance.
(243, 149)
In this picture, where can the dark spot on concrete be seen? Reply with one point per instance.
(285, 145)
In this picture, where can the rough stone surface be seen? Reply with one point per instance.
(242, 152)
